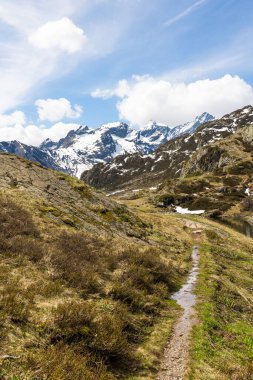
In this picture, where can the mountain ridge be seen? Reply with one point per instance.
(136, 170)
(80, 149)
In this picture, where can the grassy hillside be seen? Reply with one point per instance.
(84, 282)
(222, 343)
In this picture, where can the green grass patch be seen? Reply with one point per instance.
(222, 342)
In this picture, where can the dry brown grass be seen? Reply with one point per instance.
(80, 302)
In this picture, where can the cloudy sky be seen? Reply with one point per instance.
(64, 63)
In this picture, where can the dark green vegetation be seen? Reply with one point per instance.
(84, 282)
(222, 347)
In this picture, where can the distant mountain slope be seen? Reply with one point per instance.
(169, 160)
(30, 153)
(83, 148)
(218, 178)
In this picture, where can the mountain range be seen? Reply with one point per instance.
(209, 171)
(187, 154)
(81, 149)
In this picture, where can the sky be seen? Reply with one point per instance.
(66, 63)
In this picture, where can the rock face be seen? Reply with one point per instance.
(181, 156)
(83, 148)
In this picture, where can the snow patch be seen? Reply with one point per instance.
(182, 210)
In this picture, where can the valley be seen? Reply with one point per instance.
(126, 190)
(138, 283)
(86, 283)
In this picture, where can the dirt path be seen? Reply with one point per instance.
(175, 361)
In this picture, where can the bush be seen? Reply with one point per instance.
(212, 235)
(18, 233)
(99, 330)
(62, 362)
(144, 282)
(16, 304)
(79, 258)
(126, 292)
(73, 319)
(15, 221)
(247, 204)
(151, 260)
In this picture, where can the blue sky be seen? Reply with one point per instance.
(66, 63)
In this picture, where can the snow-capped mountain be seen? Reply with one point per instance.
(83, 148)
(170, 159)
(29, 152)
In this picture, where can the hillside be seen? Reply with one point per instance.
(86, 282)
(217, 179)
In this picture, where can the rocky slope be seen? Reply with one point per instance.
(217, 179)
(83, 148)
(177, 157)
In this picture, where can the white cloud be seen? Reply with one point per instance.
(35, 134)
(121, 90)
(62, 34)
(174, 103)
(57, 109)
(25, 69)
(17, 117)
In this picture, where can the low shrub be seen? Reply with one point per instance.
(247, 204)
(79, 259)
(63, 362)
(15, 221)
(16, 302)
(100, 331)
(18, 233)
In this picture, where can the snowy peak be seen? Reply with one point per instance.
(151, 125)
(47, 144)
(82, 130)
(84, 147)
(169, 159)
(245, 114)
(192, 125)
(118, 129)
(204, 118)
